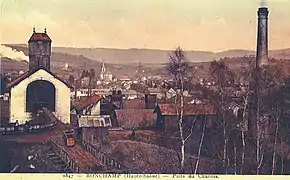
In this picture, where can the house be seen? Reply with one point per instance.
(87, 105)
(170, 93)
(139, 118)
(38, 87)
(91, 119)
(124, 78)
(116, 98)
(92, 131)
(90, 109)
(131, 94)
(167, 115)
(152, 95)
(160, 93)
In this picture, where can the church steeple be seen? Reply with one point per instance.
(103, 70)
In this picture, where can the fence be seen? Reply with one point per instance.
(105, 159)
(63, 155)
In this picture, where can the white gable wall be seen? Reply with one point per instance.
(93, 110)
(18, 98)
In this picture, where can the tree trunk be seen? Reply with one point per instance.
(235, 156)
(243, 134)
(181, 128)
(282, 165)
(243, 151)
(225, 144)
(258, 146)
(275, 144)
(258, 149)
(261, 161)
(182, 150)
(14, 169)
(258, 137)
(199, 148)
(282, 158)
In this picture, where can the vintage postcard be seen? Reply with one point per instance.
(144, 89)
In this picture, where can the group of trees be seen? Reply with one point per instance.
(250, 142)
(85, 73)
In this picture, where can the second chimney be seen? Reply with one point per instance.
(262, 38)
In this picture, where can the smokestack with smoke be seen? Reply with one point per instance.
(263, 3)
(8, 52)
(262, 37)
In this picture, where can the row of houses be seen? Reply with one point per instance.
(109, 109)
(160, 93)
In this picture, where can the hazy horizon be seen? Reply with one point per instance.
(286, 48)
(194, 25)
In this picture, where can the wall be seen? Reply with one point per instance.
(95, 110)
(87, 120)
(95, 135)
(18, 98)
(140, 118)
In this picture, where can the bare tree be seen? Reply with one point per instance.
(247, 76)
(71, 80)
(178, 67)
(269, 81)
(199, 148)
(276, 103)
(91, 75)
(275, 144)
(243, 129)
(222, 77)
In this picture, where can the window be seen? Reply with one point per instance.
(107, 120)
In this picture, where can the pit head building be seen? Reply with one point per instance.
(38, 87)
(262, 37)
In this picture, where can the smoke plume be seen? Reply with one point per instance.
(263, 3)
(12, 53)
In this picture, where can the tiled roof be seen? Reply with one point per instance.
(189, 109)
(39, 37)
(134, 104)
(27, 74)
(135, 117)
(82, 103)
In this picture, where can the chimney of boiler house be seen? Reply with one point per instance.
(262, 38)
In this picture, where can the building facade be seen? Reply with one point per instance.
(38, 87)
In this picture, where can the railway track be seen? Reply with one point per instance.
(80, 158)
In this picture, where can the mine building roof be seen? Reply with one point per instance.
(39, 37)
(27, 74)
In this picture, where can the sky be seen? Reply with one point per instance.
(207, 25)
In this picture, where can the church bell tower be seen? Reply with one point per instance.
(39, 46)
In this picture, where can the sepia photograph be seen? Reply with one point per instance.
(145, 87)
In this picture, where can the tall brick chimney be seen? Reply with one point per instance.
(262, 37)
